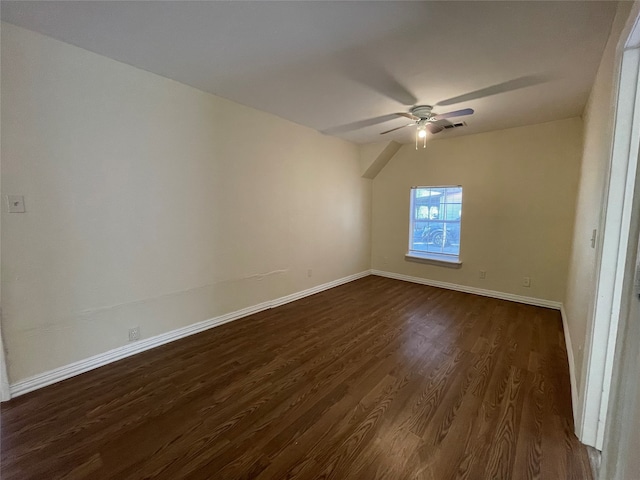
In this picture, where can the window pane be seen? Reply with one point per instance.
(435, 236)
(418, 240)
(435, 220)
(453, 195)
(453, 211)
(444, 238)
(422, 212)
(437, 193)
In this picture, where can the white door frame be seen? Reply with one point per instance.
(625, 392)
(5, 389)
(618, 239)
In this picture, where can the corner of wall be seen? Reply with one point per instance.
(374, 157)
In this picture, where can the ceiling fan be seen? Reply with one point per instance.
(424, 118)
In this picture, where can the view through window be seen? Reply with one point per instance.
(435, 222)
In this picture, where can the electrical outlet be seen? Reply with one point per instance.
(134, 334)
(482, 274)
(526, 282)
(309, 273)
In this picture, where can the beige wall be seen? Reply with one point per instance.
(596, 156)
(519, 189)
(151, 203)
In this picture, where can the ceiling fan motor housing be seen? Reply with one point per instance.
(422, 111)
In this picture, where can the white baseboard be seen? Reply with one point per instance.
(76, 368)
(572, 365)
(538, 302)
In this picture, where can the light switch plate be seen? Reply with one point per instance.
(15, 203)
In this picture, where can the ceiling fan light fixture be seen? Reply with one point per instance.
(421, 132)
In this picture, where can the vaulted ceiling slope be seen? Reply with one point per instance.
(343, 67)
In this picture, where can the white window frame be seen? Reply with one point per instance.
(442, 259)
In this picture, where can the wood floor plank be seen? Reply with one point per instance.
(375, 379)
(529, 445)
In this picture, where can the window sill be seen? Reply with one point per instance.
(434, 259)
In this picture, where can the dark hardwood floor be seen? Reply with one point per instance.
(377, 378)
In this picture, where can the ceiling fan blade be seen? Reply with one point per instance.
(397, 128)
(367, 72)
(348, 127)
(408, 115)
(456, 113)
(433, 128)
(515, 84)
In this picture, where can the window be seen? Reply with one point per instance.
(434, 230)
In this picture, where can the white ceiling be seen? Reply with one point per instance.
(332, 66)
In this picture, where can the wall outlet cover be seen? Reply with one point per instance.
(134, 334)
